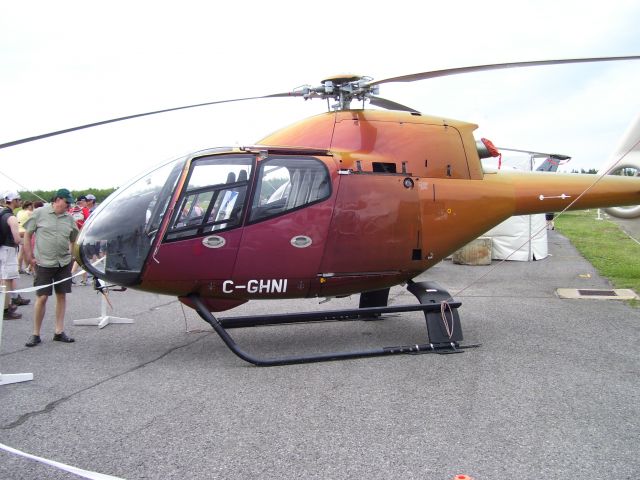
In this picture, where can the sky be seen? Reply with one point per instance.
(67, 63)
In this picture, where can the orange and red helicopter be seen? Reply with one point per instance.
(351, 201)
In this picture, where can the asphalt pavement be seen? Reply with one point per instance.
(552, 393)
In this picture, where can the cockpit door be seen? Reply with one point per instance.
(201, 243)
(286, 231)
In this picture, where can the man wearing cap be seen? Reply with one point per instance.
(91, 202)
(9, 254)
(55, 231)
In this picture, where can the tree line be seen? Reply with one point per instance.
(47, 195)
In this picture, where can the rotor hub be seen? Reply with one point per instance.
(343, 89)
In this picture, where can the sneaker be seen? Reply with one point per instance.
(12, 314)
(33, 341)
(19, 301)
(62, 337)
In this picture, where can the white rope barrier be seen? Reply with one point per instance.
(61, 466)
(33, 289)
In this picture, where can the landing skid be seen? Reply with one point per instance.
(443, 325)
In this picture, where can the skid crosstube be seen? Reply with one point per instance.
(430, 295)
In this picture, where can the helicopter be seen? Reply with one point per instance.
(350, 201)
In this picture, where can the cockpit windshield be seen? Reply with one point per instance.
(117, 245)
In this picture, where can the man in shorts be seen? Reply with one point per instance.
(9, 254)
(55, 231)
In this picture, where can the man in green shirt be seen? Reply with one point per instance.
(55, 231)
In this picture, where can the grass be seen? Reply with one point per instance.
(605, 245)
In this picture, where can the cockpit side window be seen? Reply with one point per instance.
(214, 197)
(289, 183)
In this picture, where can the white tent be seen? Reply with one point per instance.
(521, 238)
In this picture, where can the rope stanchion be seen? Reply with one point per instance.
(104, 319)
(6, 379)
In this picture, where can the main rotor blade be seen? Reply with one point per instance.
(497, 66)
(390, 105)
(137, 115)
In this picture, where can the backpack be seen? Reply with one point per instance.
(5, 230)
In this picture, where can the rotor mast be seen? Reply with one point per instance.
(343, 89)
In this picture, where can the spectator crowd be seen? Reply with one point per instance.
(36, 239)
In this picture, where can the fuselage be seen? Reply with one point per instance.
(336, 204)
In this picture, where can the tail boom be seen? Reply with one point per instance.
(539, 192)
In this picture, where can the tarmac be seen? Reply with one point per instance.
(552, 393)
